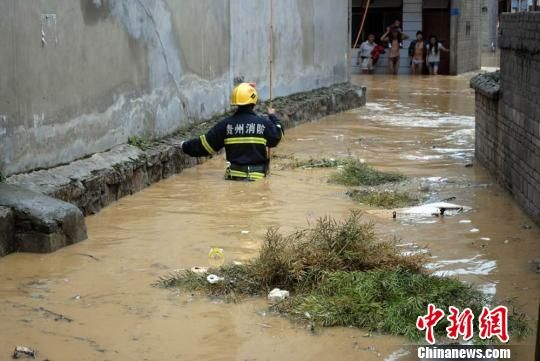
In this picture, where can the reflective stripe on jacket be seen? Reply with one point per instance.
(245, 136)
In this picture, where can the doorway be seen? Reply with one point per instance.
(437, 22)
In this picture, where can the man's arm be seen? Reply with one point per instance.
(384, 37)
(274, 131)
(207, 144)
(412, 49)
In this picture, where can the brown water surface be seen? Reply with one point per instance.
(423, 127)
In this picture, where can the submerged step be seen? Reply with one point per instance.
(37, 223)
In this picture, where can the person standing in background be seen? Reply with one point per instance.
(416, 53)
(365, 59)
(394, 36)
(433, 57)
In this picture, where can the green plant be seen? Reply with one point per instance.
(303, 259)
(138, 142)
(339, 274)
(383, 199)
(291, 162)
(357, 173)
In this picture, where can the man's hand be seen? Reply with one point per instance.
(271, 111)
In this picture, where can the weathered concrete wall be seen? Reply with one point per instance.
(489, 15)
(508, 121)
(310, 50)
(104, 70)
(465, 36)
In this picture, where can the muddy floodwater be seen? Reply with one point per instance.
(422, 127)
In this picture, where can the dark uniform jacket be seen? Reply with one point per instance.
(246, 137)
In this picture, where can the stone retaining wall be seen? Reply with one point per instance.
(508, 112)
(93, 183)
(33, 222)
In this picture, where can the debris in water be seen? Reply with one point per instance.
(526, 226)
(199, 270)
(384, 199)
(244, 232)
(465, 221)
(216, 257)
(506, 241)
(485, 239)
(469, 165)
(213, 279)
(56, 316)
(474, 230)
(537, 262)
(437, 180)
(277, 295)
(341, 274)
(23, 352)
(88, 255)
(356, 173)
(293, 163)
(438, 208)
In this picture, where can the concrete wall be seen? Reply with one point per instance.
(489, 13)
(508, 127)
(104, 70)
(465, 36)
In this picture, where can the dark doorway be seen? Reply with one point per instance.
(437, 21)
(377, 20)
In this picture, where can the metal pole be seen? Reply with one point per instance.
(271, 72)
(271, 50)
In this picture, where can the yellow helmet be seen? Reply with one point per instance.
(244, 94)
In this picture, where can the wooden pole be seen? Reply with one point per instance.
(361, 25)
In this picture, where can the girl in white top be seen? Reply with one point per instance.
(433, 57)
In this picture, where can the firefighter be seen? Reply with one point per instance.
(245, 135)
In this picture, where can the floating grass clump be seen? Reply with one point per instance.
(302, 260)
(339, 274)
(384, 199)
(382, 300)
(357, 173)
(389, 302)
(291, 162)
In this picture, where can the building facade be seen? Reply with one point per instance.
(456, 23)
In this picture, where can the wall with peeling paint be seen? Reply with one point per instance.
(79, 77)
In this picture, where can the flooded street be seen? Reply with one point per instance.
(422, 127)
